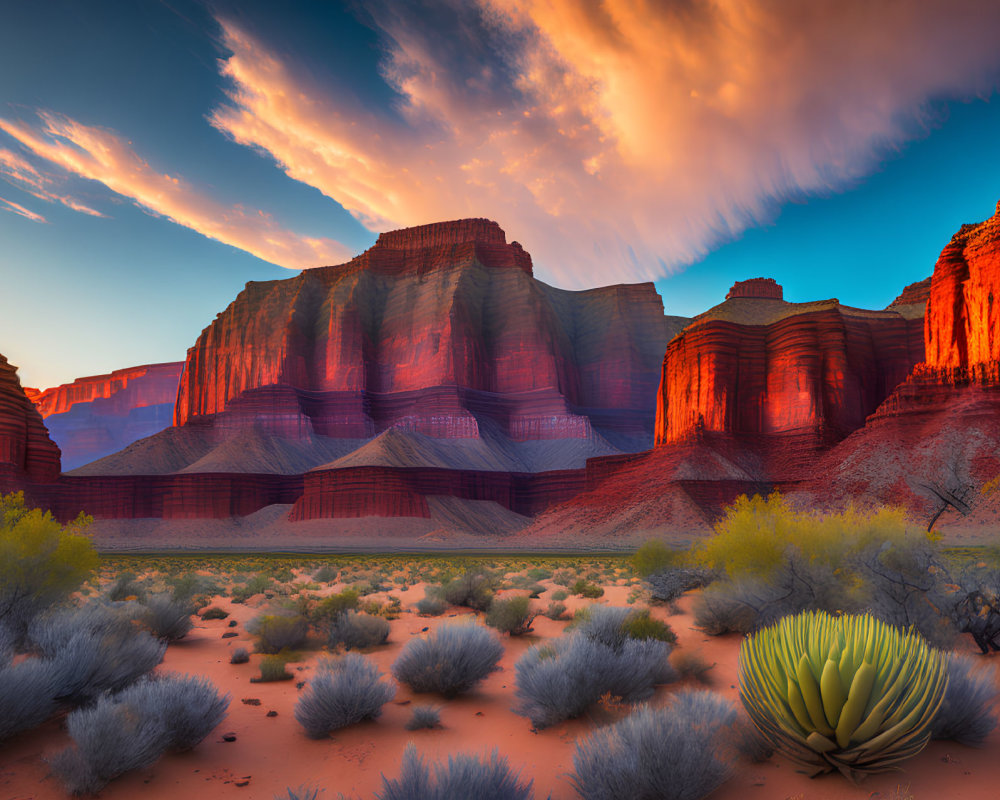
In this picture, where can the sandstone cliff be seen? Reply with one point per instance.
(98, 415)
(27, 454)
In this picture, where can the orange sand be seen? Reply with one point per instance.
(272, 753)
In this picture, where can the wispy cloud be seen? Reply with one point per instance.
(101, 155)
(20, 210)
(614, 139)
(17, 171)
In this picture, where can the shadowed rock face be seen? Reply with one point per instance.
(430, 330)
(98, 415)
(27, 454)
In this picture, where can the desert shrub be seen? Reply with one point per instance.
(450, 660)
(431, 605)
(967, 713)
(29, 693)
(330, 608)
(562, 679)
(511, 615)
(390, 609)
(98, 647)
(132, 728)
(640, 625)
(538, 573)
(188, 707)
(239, 656)
(555, 610)
(563, 577)
(749, 742)
(423, 717)
(587, 589)
(666, 585)
(41, 561)
(463, 775)
(652, 556)
(344, 691)
(277, 632)
(273, 668)
(125, 586)
(326, 574)
(473, 589)
(214, 612)
(670, 754)
(166, 617)
(357, 631)
(690, 665)
(258, 584)
(299, 793)
(190, 584)
(559, 594)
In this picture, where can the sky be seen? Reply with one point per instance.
(156, 156)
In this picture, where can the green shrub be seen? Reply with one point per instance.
(273, 668)
(329, 608)
(559, 594)
(430, 605)
(512, 615)
(277, 632)
(41, 561)
(586, 589)
(640, 625)
(555, 610)
(651, 557)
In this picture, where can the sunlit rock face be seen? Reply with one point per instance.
(432, 330)
(757, 366)
(98, 415)
(27, 454)
(938, 433)
(963, 312)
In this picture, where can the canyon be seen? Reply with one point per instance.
(434, 381)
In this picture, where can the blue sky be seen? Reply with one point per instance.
(155, 156)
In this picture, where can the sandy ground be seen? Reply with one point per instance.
(271, 753)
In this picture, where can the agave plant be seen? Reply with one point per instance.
(849, 693)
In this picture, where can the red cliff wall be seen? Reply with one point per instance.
(26, 451)
(426, 329)
(963, 312)
(758, 366)
(101, 414)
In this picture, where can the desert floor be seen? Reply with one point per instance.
(272, 753)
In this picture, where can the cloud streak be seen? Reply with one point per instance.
(17, 171)
(101, 155)
(616, 139)
(22, 211)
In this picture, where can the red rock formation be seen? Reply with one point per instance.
(98, 415)
(769, 372)
(939, 431)
(27, 454)
(761, 288)
(963, 317)
(403, 492)
(916, 294)
(430, 329)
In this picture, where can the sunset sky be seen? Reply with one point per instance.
(155, 156)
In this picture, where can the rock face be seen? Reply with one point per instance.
(432, 329)
(95, 416)
(27, 454)
(769, 373)
(938, 434)
(963, 312)
(753, 393)
(432, 371)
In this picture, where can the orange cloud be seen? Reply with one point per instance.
(19, 172)
(102, 156)
(22, 211)
(620, 139)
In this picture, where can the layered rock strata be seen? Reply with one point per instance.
(98, 415)
(27, 454)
